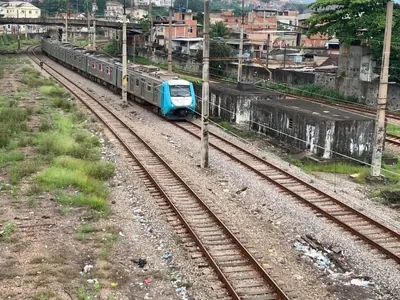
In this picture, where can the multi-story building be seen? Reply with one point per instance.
(145, 3)
(183, 33)
(19, 9)
(113, 11)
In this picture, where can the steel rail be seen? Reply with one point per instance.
(188, 127)
(266, 277)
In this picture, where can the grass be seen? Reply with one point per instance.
(349, 169)
(9, 157)
(58, 178)
(392, 129)
(7, 232)
(108, 242)
(246, 134)
(338, 168)
(23, 169)
(12, 122)
(99, 169)
(83, 230)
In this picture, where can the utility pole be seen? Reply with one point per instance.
(379, 134)
(170, 40)
(284, 57)
(239, 77)
(88, 23)
(151, 25)
(94, 9)
(124, 62)
(206, 86)
(66, 23)
(267, 51)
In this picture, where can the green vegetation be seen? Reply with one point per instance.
(344, 19)
(68, 157)
(392, 172)
(219, 29)
(392, 129)
(23, 169)
(246, 134)
(111, 47)
(9, 157)
(108, 243)
(8, 230)
(313, 90)
(217, 49)
(83, 230)
(10, 42)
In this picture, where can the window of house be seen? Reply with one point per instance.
(289, 123)
(190, 29)
(30, 12)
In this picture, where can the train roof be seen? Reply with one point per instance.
(178, 82)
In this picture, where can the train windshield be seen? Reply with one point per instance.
(180, 90)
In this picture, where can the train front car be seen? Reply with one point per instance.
(177, 99)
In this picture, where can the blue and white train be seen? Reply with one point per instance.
(172, 97)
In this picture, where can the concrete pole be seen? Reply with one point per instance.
(66, 28)
(124, 60)
(88, 24)
(239, 77)
(206, 87)
(94, 32)
(94, 9)
(151, 25)
(170, 40)
(379, 134)
(134, 48)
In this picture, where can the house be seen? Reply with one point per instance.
(113, 11)
(316, 40)
(75, 16)
(183, 26)
(19, 9)
(188, 46)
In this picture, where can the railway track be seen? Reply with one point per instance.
(375, 234)
(393, 140)
(239, 271)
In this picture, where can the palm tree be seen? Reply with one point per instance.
(219, 29)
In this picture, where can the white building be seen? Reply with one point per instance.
(19, 9)
(114, 10)
(142, 3)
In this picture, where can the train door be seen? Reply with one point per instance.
(142, 87)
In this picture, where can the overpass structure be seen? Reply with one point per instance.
(71, 22)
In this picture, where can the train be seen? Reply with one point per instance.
(170, 96)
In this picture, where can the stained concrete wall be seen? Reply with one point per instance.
(321, 136)
(263, 113)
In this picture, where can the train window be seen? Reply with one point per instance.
(149, 87)
(137, 82)
(108, 70)
(93, 65)
(100, 67)
(289, 123)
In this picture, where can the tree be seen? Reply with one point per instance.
(219, 29)
(194, 5)
(344, 20)
(217, 49)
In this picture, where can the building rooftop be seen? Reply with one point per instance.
(184, 39)
(317, 110)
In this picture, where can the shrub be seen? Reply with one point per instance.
(23, 169)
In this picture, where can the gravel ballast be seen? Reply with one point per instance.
(269, 220)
